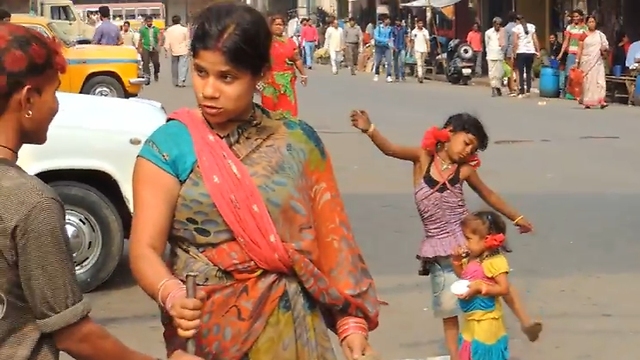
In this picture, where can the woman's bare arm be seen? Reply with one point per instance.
(155, 193)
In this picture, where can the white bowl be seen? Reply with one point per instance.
(460, 287)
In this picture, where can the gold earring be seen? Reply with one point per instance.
(28, 114)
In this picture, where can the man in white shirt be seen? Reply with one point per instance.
(495, 40)
(334, 43)
(420, 43)
(176, 44)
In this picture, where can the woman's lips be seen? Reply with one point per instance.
(210, 109)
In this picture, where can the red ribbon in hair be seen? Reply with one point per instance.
(433, 137)
(494, 241)
(474, 161)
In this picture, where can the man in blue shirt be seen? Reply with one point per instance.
(383, 44)
(107, 33)
(399, 35)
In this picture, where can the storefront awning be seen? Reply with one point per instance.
(434, 3)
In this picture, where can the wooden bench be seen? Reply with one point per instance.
(621, 86)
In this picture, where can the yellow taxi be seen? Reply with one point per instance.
(102, 70)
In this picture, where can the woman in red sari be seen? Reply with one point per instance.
(279, 86)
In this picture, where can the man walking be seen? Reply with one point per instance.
(148, 46)
(510, 51)
(494, 40)
(176, 44)
(474, 38)
(354, 43)
(334, 43)
(309, 38)
(420, 43)
(383, 43)
(129, 38)
(107, 33)
(399, 35)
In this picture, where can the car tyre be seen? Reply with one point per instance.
(103, 85)
(88, 207)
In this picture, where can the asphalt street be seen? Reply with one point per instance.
(571, 171)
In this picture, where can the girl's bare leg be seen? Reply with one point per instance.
(531, 329)
(451, 333)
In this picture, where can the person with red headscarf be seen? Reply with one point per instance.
(442, 164)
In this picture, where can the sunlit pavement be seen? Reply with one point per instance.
(578, 272)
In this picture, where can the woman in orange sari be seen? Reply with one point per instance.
(278, 89)
(246, 199)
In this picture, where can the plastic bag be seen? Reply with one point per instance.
(575, 80)
(506, 70)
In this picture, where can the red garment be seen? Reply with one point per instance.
(309, 33)
(474, 38)
(279, 91)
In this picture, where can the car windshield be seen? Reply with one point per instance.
(66, 39)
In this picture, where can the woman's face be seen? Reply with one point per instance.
(461, 146)
(38, 109)
(223, 92)
(277, 27)
(591, 24)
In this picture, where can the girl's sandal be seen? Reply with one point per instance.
(532, 331)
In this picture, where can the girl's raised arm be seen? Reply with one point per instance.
(360, 120)
(496, 202)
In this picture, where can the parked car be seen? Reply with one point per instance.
(88, 159)
(111, 71)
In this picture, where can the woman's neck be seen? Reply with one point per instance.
(226, 127)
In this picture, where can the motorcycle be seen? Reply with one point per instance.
(460, 62)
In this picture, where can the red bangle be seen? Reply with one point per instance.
(351, 325)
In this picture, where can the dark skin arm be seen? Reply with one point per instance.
(500, 288)
(360, 120)
(565, 44)
(492, 199)
(297, 61)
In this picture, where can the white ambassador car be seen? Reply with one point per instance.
(88, 159)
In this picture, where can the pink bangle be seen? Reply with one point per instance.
(174, 295)
(162, 285)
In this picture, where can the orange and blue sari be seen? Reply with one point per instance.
(260, 305)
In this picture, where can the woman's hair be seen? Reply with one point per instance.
(579, 12)
(589, 17)
(238, 31)
(465, 122)
(620, 35)
(274, 17)
(26, 58)
(484, 223)
(524, 24)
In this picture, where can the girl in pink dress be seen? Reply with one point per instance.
(442, 164)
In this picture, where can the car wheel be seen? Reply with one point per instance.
(95, 232)
(103, 86)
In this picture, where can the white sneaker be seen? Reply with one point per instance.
(375, 78)
(389, 79)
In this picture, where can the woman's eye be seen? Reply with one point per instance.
(228, 78)
(201, 73)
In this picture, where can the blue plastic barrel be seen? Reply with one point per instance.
(549, 82)
(616, 70)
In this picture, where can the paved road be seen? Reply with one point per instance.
(581, 194)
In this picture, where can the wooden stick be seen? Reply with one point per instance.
(191, 294)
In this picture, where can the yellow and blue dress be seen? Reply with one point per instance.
(483, 335)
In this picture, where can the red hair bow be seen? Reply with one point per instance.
(494, 241)
(434, 136)
(474, 161)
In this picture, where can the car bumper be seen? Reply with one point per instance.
(138, 81)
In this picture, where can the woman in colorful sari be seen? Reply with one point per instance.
(246, 199)
(593, 46)
(278, 89)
